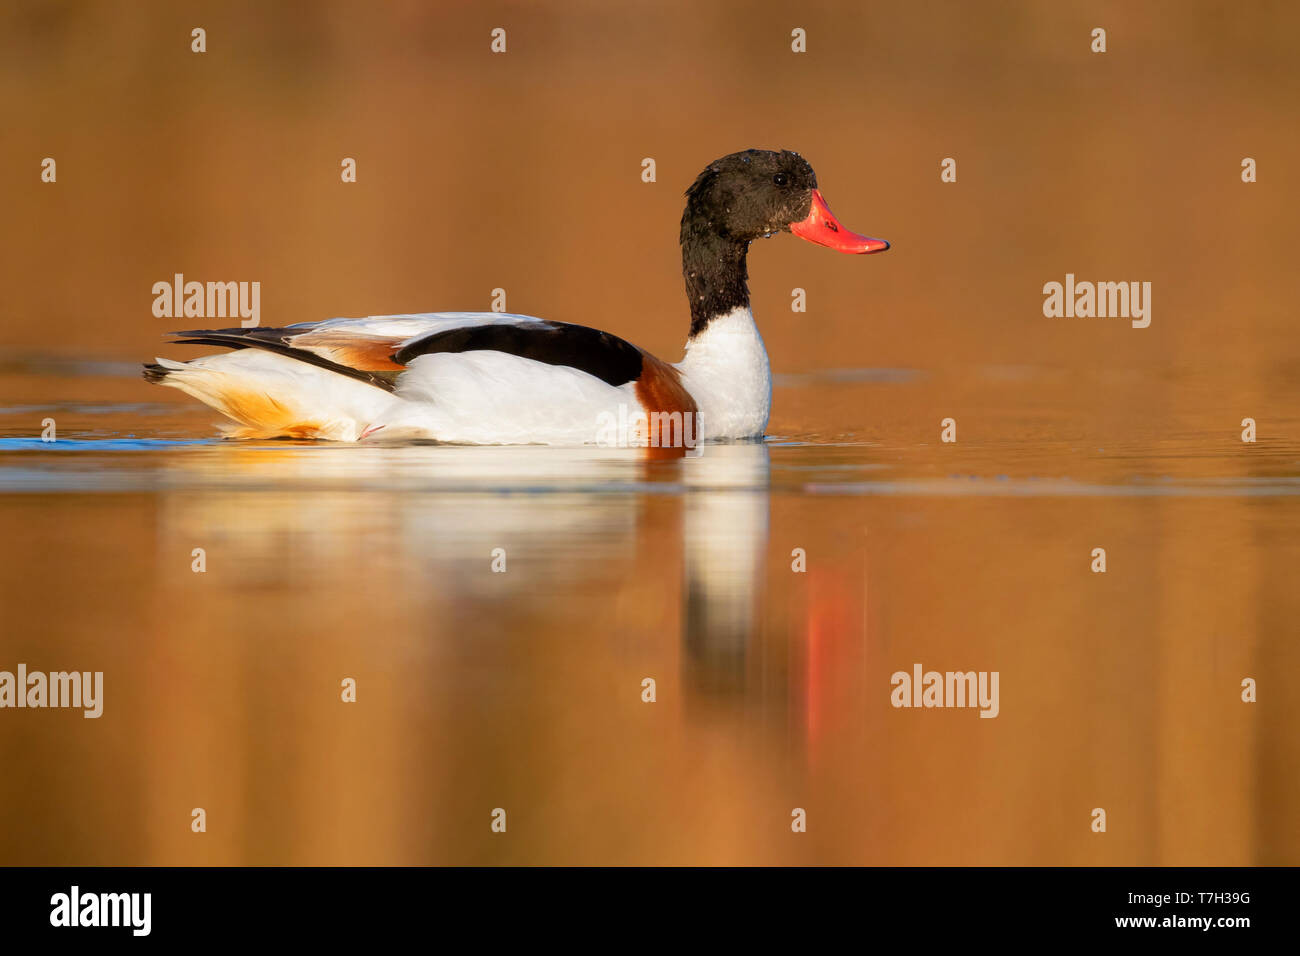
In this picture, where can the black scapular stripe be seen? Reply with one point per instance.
(597, 353)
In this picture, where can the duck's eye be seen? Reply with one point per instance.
(781, 179)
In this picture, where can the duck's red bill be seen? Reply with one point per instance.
(823, 228)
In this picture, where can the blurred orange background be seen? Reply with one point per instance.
(522, 171)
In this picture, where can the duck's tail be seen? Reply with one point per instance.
(154, 374)
(272, 396)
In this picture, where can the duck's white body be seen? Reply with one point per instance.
(474, 397)
(494, 378)
(727, 372)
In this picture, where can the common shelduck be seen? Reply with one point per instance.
(497, 378)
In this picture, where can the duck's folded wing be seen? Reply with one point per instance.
(378, 348)
(599, 354)
(358, 348)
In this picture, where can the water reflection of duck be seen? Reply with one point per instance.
(725, 549)
(573, 520)
(495, 378)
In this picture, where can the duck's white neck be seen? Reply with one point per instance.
(727, 373)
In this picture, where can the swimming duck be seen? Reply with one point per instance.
(498, 378)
